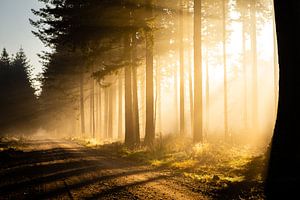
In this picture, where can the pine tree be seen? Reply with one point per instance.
(18, 101)
(4, 87)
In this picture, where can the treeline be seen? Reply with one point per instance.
(18, 103)
(113, 60)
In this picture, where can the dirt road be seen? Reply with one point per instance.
(60, 169)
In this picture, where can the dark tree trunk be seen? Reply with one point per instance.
(284, 174)
(150, 126)
(158, 97)
(150, 130)
(275, 70)
(129, 137)
(135, 102)
(198, 121)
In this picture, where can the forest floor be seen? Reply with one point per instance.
(66, 169)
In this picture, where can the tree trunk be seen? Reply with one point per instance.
(143, 105)
(275, 70)
(92, 108)
(176, 98)
(96, 110)
(181, 55)
(254, 65)
(190, 68)
(225, 73)
(120, 107)
(198, 122)
(150, 130)
(129, 137)
(136, 121)
(82, 105)
(191, 92)
(245, 95)
(150, 126)
(135, 100)
(158, 96)
(100, 114)
(207, 93)
(111, 103)
(106, 112)
(283, 173)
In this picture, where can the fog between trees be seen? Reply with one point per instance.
(139, 70)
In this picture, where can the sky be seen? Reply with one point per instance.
(15, 30)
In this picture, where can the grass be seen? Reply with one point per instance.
(8, 143)
(229, 171)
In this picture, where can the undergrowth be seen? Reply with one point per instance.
(224, 170)
(231, 170)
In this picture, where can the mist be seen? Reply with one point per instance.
(139, 87)
(237, 50)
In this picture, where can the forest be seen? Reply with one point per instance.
(152, 99)
(119, 75)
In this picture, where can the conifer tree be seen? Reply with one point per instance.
(18, 101)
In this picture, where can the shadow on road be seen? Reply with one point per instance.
(56, 171)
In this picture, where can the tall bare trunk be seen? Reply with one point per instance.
(158, 96)
(100, 129)
(111, 111)
(198, 122)
(181, 55)
(207, 100)
(150, 126)
(190, 69)
(106, 112)
(176, 98)
(120, 107)
(245, 89)
(92, 107)
(82, 104)
(129, 137)
(254, 65)
(191, 92)
(225, 73)
(135, 100)
(143, 106)
(136, 121)
(276, 68)
(96, 110)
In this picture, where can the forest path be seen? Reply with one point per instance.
(61, 169)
